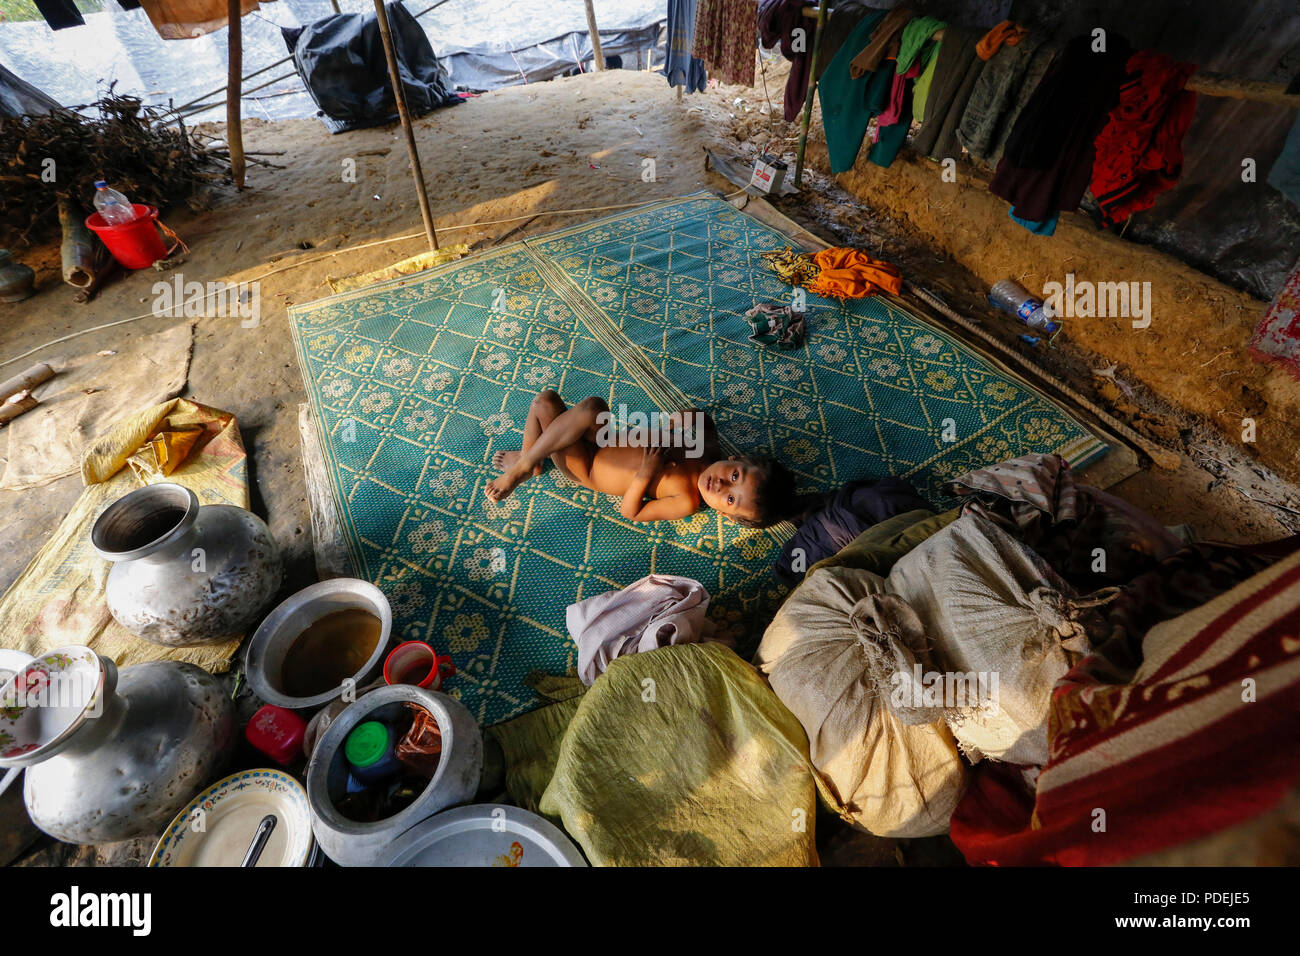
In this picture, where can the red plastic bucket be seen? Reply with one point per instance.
(136, 244)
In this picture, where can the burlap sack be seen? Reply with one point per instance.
(998, 616)
(841, 653)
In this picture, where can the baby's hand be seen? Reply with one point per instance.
(652, 460)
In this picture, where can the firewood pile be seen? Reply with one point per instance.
(143, 152)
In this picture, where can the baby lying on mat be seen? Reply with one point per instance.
(679, 476)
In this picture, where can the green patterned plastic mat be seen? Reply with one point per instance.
(416, 382)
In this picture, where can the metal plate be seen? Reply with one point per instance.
(485, 834)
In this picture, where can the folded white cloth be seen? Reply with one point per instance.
(658, 610)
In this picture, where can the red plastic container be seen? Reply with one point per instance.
(278, 733)
(136, 244)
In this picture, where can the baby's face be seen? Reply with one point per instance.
(731, 487)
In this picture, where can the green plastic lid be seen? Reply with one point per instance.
(367, 743)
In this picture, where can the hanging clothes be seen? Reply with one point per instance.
(1045, 51)
(60, 14)
(1140, 150)
(916, 49)
(681, 68)
(1006, 32)
(849, 102)
(1049, 155)
(841, 21)
(985, 122)
(1045, 228)
(956, 70)
(921, 91)
(898, 90)
(726, 33)
(889, 139)
(916, 42)
(885, 36)
(777, 21)
(184, 19)
(1277, 339)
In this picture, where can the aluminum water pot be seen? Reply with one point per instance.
(185, 573)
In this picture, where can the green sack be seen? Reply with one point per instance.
(683, 756)
(877, 548)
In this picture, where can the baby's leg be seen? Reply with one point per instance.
(577, 424)
(546, 407)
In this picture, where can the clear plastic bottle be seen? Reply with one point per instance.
(1010, 296)
(115, 208)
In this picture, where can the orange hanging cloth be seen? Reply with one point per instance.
(1005, 32)
(852, 274)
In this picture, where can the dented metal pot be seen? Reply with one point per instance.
(155, 735)
(185, 573)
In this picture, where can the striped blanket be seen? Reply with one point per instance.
(1206, 735)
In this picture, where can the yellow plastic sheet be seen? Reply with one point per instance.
(59, 598)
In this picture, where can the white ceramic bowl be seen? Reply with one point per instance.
(43, 704)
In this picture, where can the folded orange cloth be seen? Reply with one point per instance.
(1005, 32)
(851, 274)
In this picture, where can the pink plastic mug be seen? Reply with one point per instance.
(414, 662)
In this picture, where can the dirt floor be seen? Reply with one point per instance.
(498, 166)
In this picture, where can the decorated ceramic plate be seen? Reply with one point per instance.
(484, 834)
(47, 699)
(218, 825)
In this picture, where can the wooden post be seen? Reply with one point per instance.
(812, 89)
(399, 93)
(234, 80)
(595, 37)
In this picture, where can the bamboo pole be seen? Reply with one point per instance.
(234, 79)
(598, 56)
(812, 90)
(399, 94)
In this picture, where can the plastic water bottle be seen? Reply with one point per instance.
(1010, 296)
(115, 208)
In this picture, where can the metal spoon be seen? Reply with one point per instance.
(259, 840)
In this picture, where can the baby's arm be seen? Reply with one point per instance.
(634, 507)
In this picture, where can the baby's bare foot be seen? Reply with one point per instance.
(504, 461)
(499, 488)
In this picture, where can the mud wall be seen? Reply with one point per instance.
(1193, 352)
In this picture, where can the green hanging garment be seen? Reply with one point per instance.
(845, 100)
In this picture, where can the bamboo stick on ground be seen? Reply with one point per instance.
(26, 380)
(78, 248)
(15, 406)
